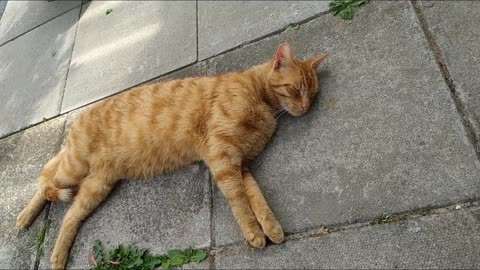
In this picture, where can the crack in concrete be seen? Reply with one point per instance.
(469, 126)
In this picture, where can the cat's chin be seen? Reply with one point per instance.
(296, 114)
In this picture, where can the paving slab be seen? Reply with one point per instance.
(448, 241)
(22, 156)
(457, 36)
(33, 70)
(3, 4)
(116, 51)
(226, 24)
(21, 16)
(383, 136)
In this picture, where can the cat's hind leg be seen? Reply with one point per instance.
(36, 204)
(263, 213)
(93, 190)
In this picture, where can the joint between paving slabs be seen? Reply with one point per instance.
(70, 59)
(196, 20)
(355, 225)
(211, 258)
(469, 126)
(276, 32)
(30, 30)
(42, 237)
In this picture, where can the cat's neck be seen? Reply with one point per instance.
(259, 76)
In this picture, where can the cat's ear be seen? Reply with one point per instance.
(314, 62)
(283, 57)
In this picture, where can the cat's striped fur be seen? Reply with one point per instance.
(224, 120)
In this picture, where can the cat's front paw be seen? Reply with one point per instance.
(274, 231)
(256, 239)
(58, 260)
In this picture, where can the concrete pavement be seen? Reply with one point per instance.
(395, 129)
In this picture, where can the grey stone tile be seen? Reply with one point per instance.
(447, 241)
(172, 211)
(226, 24)
(196, 70)
(3, 4)
(116, 51)
(21, 16)
(33, 69)
(22, 156)
(457, 35)
(383, 136)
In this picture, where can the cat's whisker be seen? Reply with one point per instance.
(282, 113)
(279, 111)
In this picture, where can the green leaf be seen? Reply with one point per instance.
(344, 9)
(108, 11)
(165, 263)
(131, 257)
(112, 255)
(346, 13)
(198, 255)
(357, 3)
(150, 262)
(177, 257)
(97, 250)
(176, 260)
(175, 253)
(123, 252)
(293, 26)
(137, 262)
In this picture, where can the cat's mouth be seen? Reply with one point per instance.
(293, 111)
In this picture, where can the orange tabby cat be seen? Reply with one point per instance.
(224, 121)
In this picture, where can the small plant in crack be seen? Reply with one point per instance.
(344, 8)
(130, 257)
(382, 219)
(40, 238)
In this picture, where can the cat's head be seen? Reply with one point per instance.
(294, 82)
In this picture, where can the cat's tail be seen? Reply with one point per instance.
(46, 185)
(46, 190)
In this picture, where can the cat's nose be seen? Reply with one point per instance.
(305, 107)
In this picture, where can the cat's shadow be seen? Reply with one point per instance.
(323, 74)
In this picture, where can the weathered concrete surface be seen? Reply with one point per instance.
(225, 24)
(448, 241)
(196, 70)
(3, 4)
(21, 16)
(457, 34)
(169, 212)
(33, 70)
(116, 51)
(22, 156)
(383, 137)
